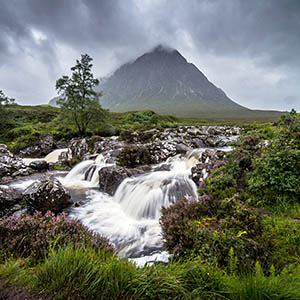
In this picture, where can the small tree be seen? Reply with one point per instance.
(4, 103)
(78, 97)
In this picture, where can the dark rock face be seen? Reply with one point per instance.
(111, 177)
(10, 165)
(39, 165)
(47, 194)
(8, 198)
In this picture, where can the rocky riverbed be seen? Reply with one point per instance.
(119, 184)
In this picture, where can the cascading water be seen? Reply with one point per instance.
(130, 219)
(85, 174)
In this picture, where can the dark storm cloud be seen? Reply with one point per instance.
(248, 48)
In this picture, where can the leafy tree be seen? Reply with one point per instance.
(4, 103)
(78, 98)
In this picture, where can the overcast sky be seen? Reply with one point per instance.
(250, 49)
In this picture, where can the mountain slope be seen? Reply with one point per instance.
(163, 81)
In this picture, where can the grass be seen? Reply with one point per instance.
(70, 273)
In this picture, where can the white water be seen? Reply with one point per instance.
(130, 219)
(52, 157)
(85, 174)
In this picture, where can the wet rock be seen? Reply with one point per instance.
(32, 152)
(10, 165)
(47, 194)
(107, 145)
(39, 165)
(9, 196)
(65, 156)
(182, 149)
(111, 177)
(78, 147)
(46, 144)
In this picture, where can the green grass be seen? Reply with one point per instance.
(70, 273)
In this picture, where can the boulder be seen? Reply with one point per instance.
(78, 147)
(10, 165)
(39, 165)
(47, 194)
(182, 149)
(111, 177)
(8, 198)
(32, 152)
(46, 144)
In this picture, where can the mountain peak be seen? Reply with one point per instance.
(162, 48)
(163, 81)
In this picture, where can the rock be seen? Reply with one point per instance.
(47, 194)
(32, 152)
(46, 144)
(10, 165)
(78, 147)
(65, 156)
(132, 156)
(39, 165)
(182, 149)
(111, 177)
(9, 197)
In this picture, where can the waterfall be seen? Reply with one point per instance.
(85, 174)
(130, 219)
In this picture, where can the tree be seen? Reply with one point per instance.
(78, 97)
(4, 103)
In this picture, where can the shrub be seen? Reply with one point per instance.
(189, 229)
(33, 235)
(276, 175)
(133, 156)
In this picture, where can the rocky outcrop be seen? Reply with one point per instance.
(10, 165)
(46, 194)
(111, 177)
(9, 197)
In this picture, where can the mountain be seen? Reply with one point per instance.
(162, 80)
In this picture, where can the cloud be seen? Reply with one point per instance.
(250, 49)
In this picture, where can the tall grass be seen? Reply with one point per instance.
(69, 273)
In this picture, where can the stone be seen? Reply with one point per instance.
(39, 165)
(32, 152)
(78, 147)
(182, 149)
(47, 194)
(46, 144)
(111, 177)
(9, 198)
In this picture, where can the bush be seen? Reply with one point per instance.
(34, 235)
(189, 229)
(276, 175)
(133, 156)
